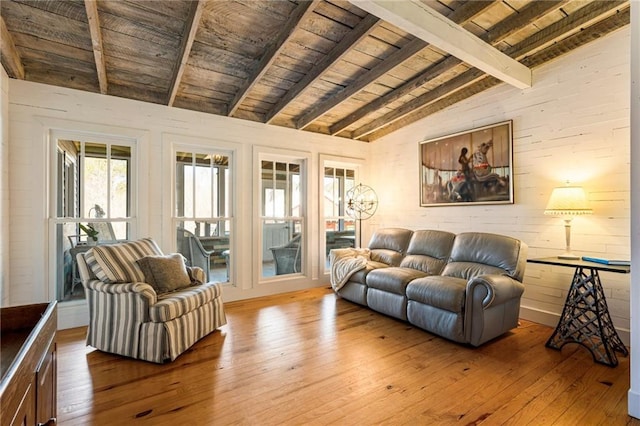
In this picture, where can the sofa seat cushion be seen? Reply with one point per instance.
(360, 277)
(442, 292)
(469, 270)
(393, 279)
(173, 305)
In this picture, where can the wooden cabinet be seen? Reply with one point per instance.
(28, 364)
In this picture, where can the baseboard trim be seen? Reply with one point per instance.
(72, 314)
(633, 403)
(551, 319)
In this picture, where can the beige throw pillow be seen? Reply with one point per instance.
(165, 273)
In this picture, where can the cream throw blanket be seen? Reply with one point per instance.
(345, 262)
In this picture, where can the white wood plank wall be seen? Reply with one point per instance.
(4, 188)
(572, 124)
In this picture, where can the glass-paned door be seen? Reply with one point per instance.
(339, 229)
(93, 199)
(282, 217)
(203, 211)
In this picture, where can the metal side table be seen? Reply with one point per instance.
(585, 318)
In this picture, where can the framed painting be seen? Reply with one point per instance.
(468, 168)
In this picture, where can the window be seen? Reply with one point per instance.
(203, 213)
(339, 228)
(93, 202)
(282, 217)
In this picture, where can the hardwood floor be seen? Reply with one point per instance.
(311, 358)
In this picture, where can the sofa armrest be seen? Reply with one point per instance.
(489, 290)
(116, 312)
(144, 291)
(492, 307)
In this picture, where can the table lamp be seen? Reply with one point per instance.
(568, 201)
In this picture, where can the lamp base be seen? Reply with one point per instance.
(569, 256)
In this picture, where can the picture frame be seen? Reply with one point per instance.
(473, 167)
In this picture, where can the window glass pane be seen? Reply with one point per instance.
(96, 179)
(215, 192)
(338, 234)
(92, 187)
(329, 201)
(203, 186)
(267, 179)
(296, 209)
(267, 207)
(282, 247)
(339, 227)
(187, 190)
(120, 160)
(182, 159)
(68, 237)
(204, 229)
(227, 190)
(282, 226)
(68, 160)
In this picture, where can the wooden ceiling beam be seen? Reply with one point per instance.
(424, 22)
(460, 16)
(580, 18)
(613, 22)
(546, 35)
(441, 91)
(408, 87)
(467, 11)
(527, 16)
(10, 56)
(582, 36)
(91, 7)
(303, 10)
(189, 35)
(395, 59)
(359, 32)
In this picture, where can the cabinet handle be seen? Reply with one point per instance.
(51, 422)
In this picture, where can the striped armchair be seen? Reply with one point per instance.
(128, 316)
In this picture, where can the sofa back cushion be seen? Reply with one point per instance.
(428, 251)
(116, 263)
(389, 245)
(476, 253)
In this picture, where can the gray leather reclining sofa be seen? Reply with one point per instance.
(464, 287)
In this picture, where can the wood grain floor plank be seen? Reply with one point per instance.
(310, 358)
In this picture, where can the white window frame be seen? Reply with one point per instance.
(130, 139)
(230, 197)
(356, 164)
(179, 142)
(303, 158)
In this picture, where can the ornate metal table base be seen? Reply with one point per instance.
(585, 320)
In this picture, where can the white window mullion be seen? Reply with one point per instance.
(274, 188)
(215, 194)
(82, 178)
(193, 185)
(287, 190)
(109, 165)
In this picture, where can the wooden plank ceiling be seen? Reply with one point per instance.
(324, 66)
